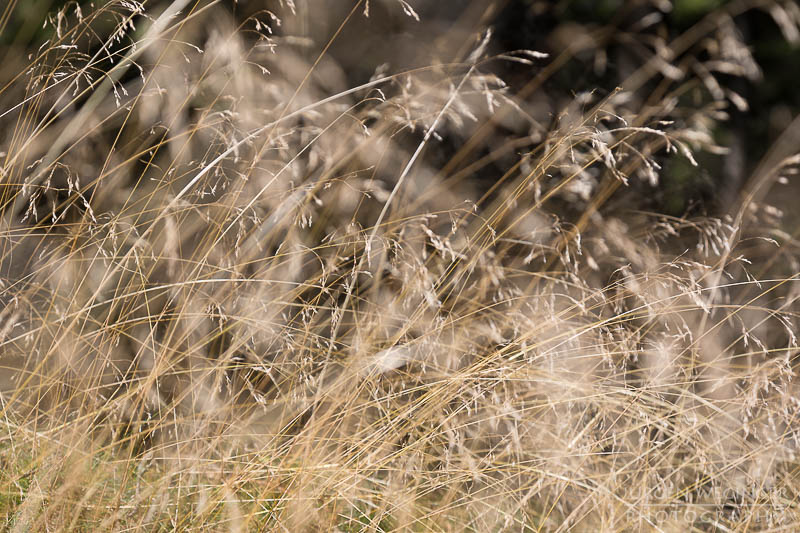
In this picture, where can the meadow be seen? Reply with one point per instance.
(296, 265)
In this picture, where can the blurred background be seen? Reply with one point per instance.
(745, 53)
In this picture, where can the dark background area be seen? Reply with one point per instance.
(772, 97)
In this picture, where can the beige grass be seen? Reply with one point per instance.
(241, 293)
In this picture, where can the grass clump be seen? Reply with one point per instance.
(252, 282)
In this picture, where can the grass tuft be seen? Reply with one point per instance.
(261, 270)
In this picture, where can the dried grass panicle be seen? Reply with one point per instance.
(243, 290)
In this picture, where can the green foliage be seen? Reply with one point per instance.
(685, 10)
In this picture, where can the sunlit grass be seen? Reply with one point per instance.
(241, 292)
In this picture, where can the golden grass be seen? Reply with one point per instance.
(241, 292)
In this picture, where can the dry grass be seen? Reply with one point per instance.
(241, 292)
